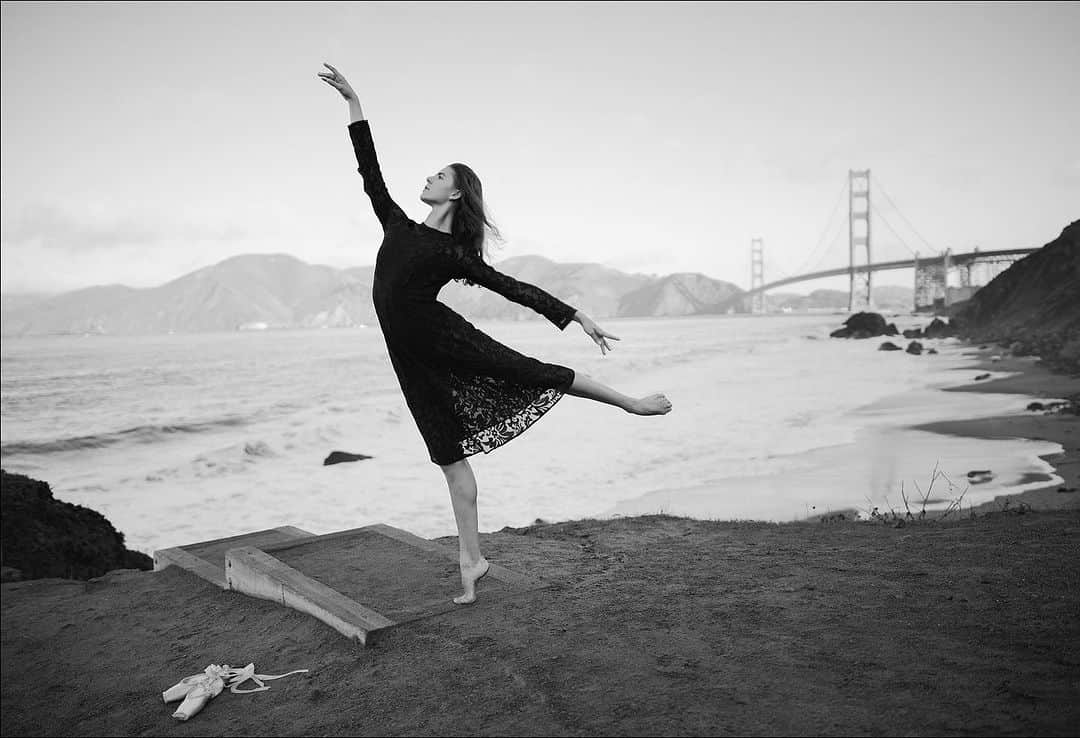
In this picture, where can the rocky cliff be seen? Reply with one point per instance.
(1034, 306)
(41, 536)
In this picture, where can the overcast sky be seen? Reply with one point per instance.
(145, 140)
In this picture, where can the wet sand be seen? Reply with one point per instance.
(1062, 429)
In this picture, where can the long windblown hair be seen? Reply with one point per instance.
(471, 222)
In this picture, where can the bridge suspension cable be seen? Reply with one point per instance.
(814, 254)
(893, 230)
(877, 181)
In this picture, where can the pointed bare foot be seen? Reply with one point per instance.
(656, 404)
(470, 575)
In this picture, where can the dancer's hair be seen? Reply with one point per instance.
(470, 218)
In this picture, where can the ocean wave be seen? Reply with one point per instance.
(137, 434)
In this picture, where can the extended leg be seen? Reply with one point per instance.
(462, 483)
(586, 386)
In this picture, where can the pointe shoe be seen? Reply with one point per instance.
(180, 690)
(208, 685)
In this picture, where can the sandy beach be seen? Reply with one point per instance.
(657, 625)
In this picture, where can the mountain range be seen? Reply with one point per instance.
(260, 291)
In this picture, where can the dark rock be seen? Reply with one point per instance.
(43, 537)
(889, 346)
(982, 377)
(862, 325)
(1036, 406)
(890, 330)
(914, 348)
(913, 333)
(1066, 489)
(938, 329)
(980, 476)
(931, 351)
(340, 457)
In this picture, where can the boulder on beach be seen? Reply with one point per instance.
(938, 328)
(863, 325)
(340, 457)
(889, 346)
(913, 333)
(44, 537)
(914, 348)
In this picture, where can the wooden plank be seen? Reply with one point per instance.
(197, 566)
(497, 572)
(198, 558)
(319, 539)
(258, 574)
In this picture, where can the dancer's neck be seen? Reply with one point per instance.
(441, 217)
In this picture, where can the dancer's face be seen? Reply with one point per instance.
(440, 188)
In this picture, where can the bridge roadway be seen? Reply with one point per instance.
(954, 260)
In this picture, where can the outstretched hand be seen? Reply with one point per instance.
(597, 334)
(337, 80)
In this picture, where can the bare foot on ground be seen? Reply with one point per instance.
(656, 404)
(470, 575)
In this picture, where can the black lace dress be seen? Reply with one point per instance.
(467, 392)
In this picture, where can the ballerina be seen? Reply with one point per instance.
(466, 391)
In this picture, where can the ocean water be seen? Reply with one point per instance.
(184, 438)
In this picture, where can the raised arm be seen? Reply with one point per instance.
(523, 293)
(386, 210)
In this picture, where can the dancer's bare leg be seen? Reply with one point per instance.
(586, 386)
(462, 483)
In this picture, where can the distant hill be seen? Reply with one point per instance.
(686, 293)
(261, 291)
(889, 298)
(1035, 302)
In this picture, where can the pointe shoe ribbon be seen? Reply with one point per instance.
(237, 677)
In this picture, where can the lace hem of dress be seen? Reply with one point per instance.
(509, 428)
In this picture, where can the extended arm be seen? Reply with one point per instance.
(386, 210)
(552, 308)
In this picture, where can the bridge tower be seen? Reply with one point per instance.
(859, 189)
(757, 275)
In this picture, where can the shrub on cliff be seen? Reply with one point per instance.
(41, 536)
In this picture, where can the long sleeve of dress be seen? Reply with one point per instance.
(523, 293)
(386, 210)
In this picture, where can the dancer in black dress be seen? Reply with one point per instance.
(466, 391)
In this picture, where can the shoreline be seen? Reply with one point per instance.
(1031, 380)
(898, 438)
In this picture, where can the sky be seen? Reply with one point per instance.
(141, 141)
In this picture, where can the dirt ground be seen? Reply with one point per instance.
(658, 626)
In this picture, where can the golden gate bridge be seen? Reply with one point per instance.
(941, 277)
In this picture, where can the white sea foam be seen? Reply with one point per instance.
(770, 420)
